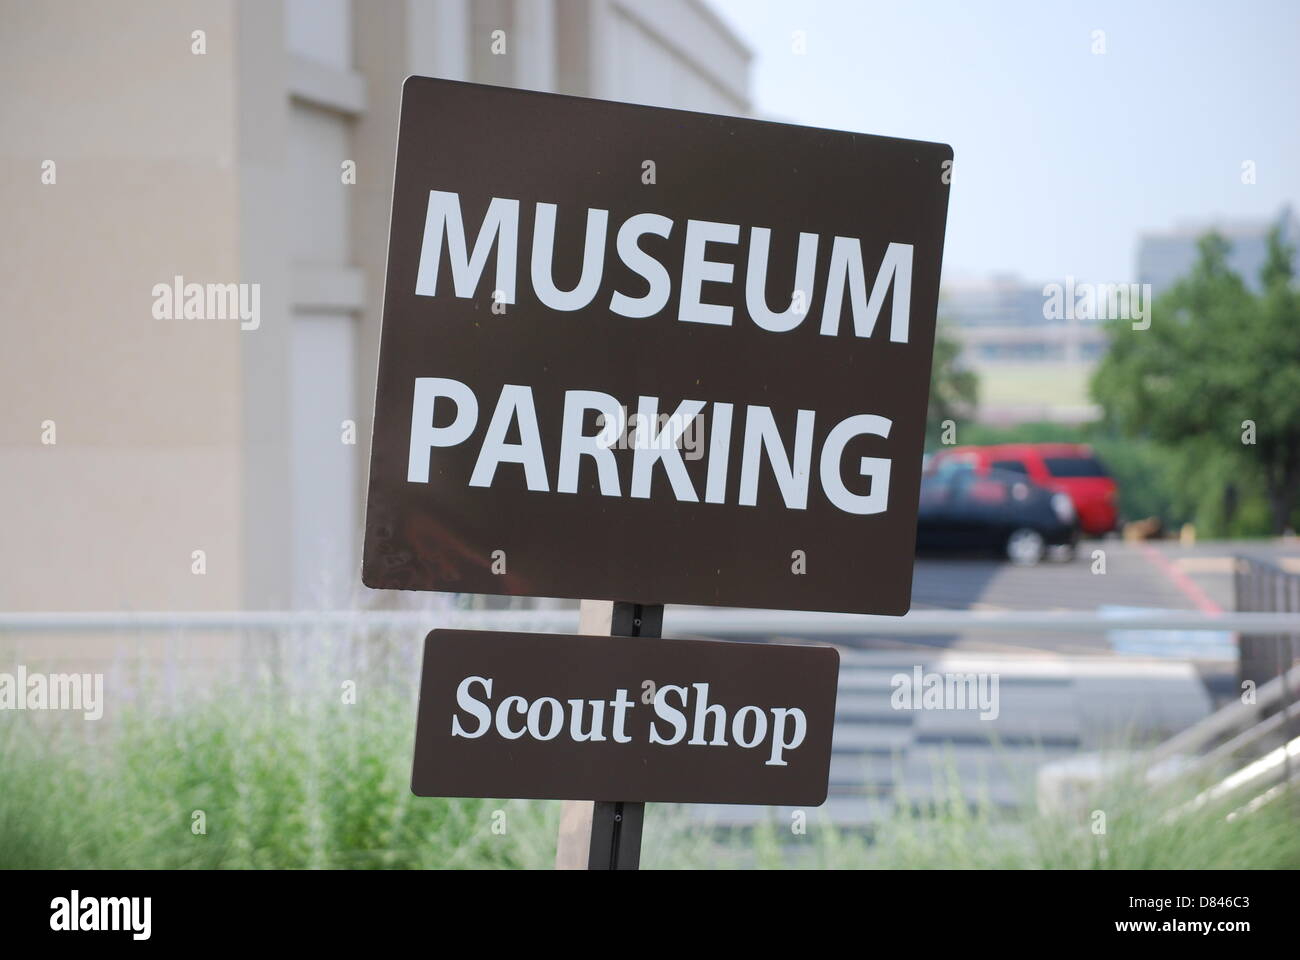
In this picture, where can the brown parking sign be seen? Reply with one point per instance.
(569, 717)
(643, 354)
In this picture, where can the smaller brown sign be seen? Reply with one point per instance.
(565, 717)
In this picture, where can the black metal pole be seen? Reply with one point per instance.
(616, 824)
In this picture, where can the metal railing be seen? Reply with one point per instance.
(1239, 725)
(710, 622)
(1262, 587)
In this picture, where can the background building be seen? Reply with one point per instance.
(1030, 368)
(1166, 255)
(1037, 369)
(186, 464)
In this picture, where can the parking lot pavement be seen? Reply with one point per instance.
(1161, 575)
(1104, 573)
(1156, 574)
(1208, 565)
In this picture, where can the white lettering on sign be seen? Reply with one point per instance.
(777, 729)
(846, 273)
(789, 459)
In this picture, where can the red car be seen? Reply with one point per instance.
(1071, 468)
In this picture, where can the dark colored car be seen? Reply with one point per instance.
(1071, 468)
(1005, 512)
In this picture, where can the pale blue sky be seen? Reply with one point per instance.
(1063, 157)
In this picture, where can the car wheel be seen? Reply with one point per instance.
(1026, 547)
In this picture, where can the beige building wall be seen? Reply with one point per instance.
(231, 165)
(145, 465)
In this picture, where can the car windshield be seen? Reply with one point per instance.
(1009, 466)
(1075, 467)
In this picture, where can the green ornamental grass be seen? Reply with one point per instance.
(273, 779)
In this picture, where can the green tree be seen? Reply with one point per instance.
(954, 389)
(1216, 379)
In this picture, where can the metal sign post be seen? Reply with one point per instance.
(616, 824)
(606, 834)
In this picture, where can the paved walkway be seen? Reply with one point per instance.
(1049, 706)
(1059, 693)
